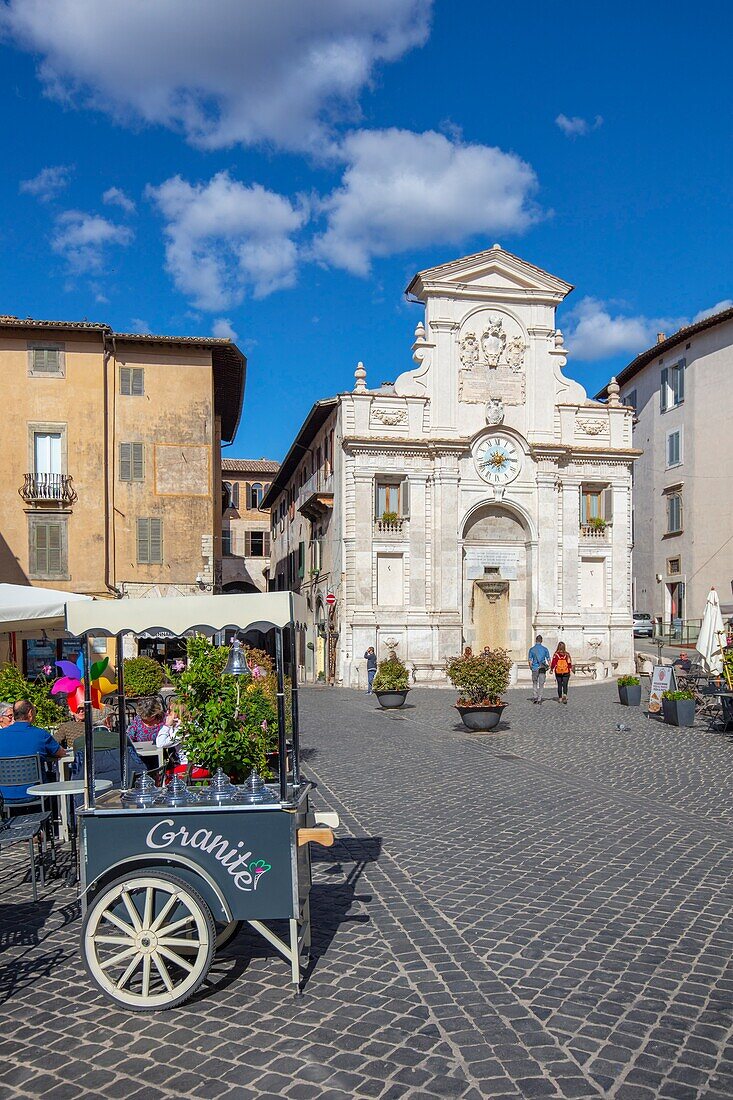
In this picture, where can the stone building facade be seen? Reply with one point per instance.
(683, 482)
(245, 532)
(481, 497)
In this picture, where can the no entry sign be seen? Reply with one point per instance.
(330, 599)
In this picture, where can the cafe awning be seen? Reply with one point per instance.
(28, 609)
(178, 614)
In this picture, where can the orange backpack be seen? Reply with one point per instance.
(562, 665)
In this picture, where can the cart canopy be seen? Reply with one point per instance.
(24, 608)
(180, 615)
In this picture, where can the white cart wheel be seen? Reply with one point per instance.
(148, 941)
(226, 932)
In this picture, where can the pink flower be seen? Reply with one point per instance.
(258, 672)
(179, 665)
(46, 670)
(263, 727)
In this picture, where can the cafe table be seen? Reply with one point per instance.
(66, 791)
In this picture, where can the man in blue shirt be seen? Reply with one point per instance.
(539, 662)
(22, 738)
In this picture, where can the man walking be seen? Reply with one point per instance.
(539, 661)
(371, 660)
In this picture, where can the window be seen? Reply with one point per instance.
(132, 381)
(596, 503)
(672, 386)
(149, 541)
(47, 547)
(132, 464)
(674, 514)
(391, 496)
(45, 359)
(674, 448)
(630, 399)
(226, 543)
(673, 566)
(255, 493)
(301, 559)
(47, 452)
(257, 544)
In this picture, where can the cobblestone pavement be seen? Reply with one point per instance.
(541, 911)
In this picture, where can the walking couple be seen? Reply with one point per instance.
(539, 662)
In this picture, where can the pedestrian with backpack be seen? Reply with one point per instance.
(538, 659)
(562, 666)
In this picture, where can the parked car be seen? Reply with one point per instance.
(643, 625)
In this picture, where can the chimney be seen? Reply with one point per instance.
(661, 337)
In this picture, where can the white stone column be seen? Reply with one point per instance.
(363, 535)
(418, 538)
(568, 545)
(547, 538)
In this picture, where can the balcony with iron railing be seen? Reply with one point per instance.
(48, 489)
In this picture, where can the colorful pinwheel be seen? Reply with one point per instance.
(71, 683)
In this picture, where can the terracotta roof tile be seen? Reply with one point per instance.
(251, 465)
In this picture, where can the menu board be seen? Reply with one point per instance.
(662, 680)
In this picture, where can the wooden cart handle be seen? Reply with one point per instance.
(317, 836)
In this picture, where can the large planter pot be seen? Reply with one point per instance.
(679, 712)
(481, 719)
(630, 696)
(391, 700)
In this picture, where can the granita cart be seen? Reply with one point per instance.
(169, 874)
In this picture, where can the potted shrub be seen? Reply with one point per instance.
(229, 721)
(392, 683)
(143, 676)
(629, 691)
(14, 686)
(678, 708)
(481, 681)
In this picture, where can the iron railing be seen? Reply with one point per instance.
(48, 489)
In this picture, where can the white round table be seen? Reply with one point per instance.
(67, 789)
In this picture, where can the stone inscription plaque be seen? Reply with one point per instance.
(481, 383)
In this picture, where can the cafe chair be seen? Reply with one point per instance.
(24, 830)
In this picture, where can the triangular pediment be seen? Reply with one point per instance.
(489, 271)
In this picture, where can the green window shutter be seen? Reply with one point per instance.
(137, 461)
(125, 381)
(138, 382)
(143, 541)
(125, 462)
(46, 360)
(156, 540)
(663, 383)
(39, 547)
(54, 548)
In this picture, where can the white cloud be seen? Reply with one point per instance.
(717, 308)
(221, 71)
(82, 239)
(138, 325)
(577, 127)
(48, 183)
(114, 196)
(222, 329)
(404, 190)
(224, 238)
(593, 332)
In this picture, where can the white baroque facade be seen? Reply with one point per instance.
(482, 497)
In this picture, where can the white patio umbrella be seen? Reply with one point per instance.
(709, 640)
(25, 608)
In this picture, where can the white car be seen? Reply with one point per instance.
(643, 625)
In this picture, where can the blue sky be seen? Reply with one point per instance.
(281, 171)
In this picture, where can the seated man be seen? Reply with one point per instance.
(22, 738)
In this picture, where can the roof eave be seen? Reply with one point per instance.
(317, 416)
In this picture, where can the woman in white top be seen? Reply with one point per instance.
(169, 734)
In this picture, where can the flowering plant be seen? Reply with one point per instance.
(481, 680)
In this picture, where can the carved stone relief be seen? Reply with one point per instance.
(495, 411)
(592, 427)
(389, 417)
(492, 353)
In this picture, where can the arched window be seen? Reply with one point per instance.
(256, 494)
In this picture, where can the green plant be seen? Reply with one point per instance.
(14, 686)
(597, 523)
(481, 680)
(677, 696)
(390, 517)
(143, 676)
(392, 675)
(628, 681)
(228, 721)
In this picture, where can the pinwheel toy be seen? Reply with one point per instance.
(71, 683)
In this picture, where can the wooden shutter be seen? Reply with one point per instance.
(249, 497)
(156, 540)
(54, 548)
(266, 544)
(137, 461)
(583, 506)
(125, 381)
(377, 513)
(301, 559)
(235, 494)
(46, 360)
(39, 547)
(663, 385)
(143, 541)
(125, 462)
(138, 382)
(405, 499)
(607, 505)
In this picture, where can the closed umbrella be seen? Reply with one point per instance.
(709, 640)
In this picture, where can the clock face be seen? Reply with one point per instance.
(497, 459)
